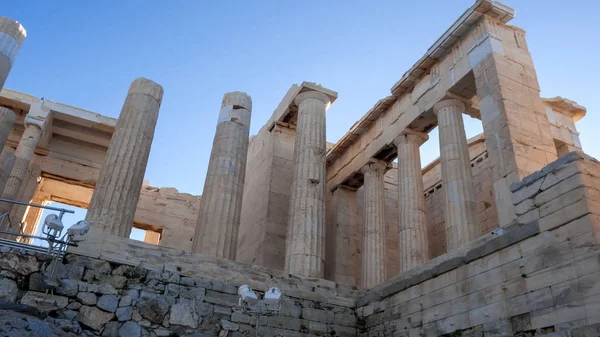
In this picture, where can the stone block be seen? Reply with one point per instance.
(67, 287)
(288, 323)
(318, 315)
(130, 329)
(8, 290)
(108, 303)
(18, 263)
(44, 302)
(183, 314)
(221, 298)
(87, 298)
(93, 317)
(124, 313)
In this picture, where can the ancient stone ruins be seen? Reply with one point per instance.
(500, 236)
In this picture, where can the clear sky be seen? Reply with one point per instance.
(86, 53)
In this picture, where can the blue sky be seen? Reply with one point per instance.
(86, 53)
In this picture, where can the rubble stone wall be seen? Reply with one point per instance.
(538, 276)
(98, 297)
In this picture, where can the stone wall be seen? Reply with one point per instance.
(103, 297)
(263, 227)
(539, 275)
(169, 212)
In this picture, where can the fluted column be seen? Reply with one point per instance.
(305, 250)
(7, 161)
(117, 191)
(412, 224)
(457, 179)
(7, 120)
(374, 243)
(12, 35)
(221, 204)
(23, 155)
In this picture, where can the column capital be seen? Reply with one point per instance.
(35, 122)
(376, 165)
(411, 136)
(447, 103)
(144, 86)
(238, 100)
(312, 95)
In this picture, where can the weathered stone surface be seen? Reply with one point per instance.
(45, 302)
(108, 303)
(8, 290)
(221, 204)
(111, 329)
(153, 309)
(19, 263)
(229, 326)
(87, 298)
(15, 324)
(113, 203)
(93, 317)
(67, 287)
(183, 314)
(124, 313)
(130, 329)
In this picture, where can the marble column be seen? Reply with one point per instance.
(23, 156)
(221, 204)
(7, 161)
(7, 120)
(117, 191)
(305, 250)
(412, 224)
(457, 180)
(12, 35)
(374, 239)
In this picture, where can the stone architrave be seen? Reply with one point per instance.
(221, 204)
(305, 249)
(12, 35)
(117, 191)
(374, 239)
(457, 179)
(412, 223)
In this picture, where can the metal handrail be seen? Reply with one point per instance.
(5, 215)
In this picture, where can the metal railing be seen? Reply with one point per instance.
(12, 235)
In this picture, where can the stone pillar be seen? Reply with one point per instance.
(457, 180)
(12, 35)
(7, 120)
(518, 135)
(305, 250)
(23, 155)
(221, 204)
(117, 191)
(7, 161)
(374, 239)
(412, 224)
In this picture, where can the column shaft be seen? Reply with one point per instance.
(460, 205)
(221, 204)
(117, 191)
(7, 161)
(305, 249)
(12, 35)
(374, 242)
(7, 120)
(23, 156)
(412, 223)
